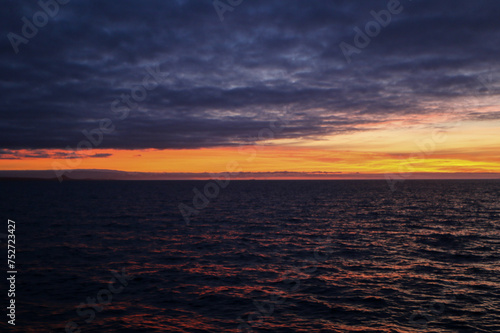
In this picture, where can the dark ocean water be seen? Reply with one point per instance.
(262, 256)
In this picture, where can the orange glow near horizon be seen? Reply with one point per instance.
(469, 147)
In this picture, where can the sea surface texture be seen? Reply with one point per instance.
(257, 256)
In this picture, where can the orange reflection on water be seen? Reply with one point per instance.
(183, 323)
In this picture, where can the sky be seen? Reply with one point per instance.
(297, 89)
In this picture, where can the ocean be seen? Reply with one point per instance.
(256, 256)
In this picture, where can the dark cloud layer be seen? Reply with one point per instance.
(223, 82)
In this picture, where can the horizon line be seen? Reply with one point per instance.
(107, 174)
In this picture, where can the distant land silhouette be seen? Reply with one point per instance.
(104, 174)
